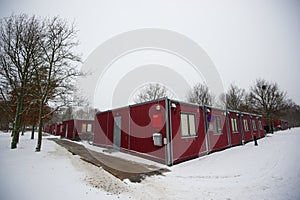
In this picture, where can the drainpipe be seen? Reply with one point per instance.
(242, 128)
(74, 129)
(251, 126)
(168, 134)
(228, 128)
(107, 130)
(206, 129)
(129, 119)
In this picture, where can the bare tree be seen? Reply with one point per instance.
(267, 99)
(55, 76)
(200, 94)
(234, 98)
(151, 92)
(86, 113)
(19, 36)
(293, 114)
(38, 65)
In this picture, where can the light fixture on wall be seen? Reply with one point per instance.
(173, 105)
(157, 107)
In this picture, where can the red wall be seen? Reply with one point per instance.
(247, 134)
(83, 134)
(70, 134)
(58, 127)
(101, 129)
(139, 122)
(143, 125)
(255, 131)
(185, 148)
(136, 129)
(236, 138)
(217, 141)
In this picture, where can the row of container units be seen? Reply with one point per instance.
(280, 124)
(271, 125)
(73, 129)
(170, 132)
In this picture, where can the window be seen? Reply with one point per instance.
(61, 128)
(246, 127)
(234, 125)
(253, 124)
(89, 128)
(188, 125)
(83, 128)
(218, 125)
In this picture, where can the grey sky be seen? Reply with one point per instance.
(245, 39)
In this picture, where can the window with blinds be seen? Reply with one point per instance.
(188, 124)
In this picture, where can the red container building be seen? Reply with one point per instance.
(170, 131)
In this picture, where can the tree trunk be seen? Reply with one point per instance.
(16, 128)
(23, 129)
(272, 130)
(32, 132)
(40, 128)
(270, 124)
(12, 130)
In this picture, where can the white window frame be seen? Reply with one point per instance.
(218, 126)
(234, 125)
(189, 121)
(246, 125)
(89, 127)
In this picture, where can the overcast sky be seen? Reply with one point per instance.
(245, 40)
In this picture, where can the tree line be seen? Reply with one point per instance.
(263, 97)
(37, 70)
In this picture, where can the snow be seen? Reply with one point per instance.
(270, 170)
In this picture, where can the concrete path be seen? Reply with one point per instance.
(120, 168)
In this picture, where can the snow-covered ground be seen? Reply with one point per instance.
(268, 171)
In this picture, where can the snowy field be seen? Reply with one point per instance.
(268, 171)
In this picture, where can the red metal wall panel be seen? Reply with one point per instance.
(235, 137)
(247, 134)
(185, 148)
(59, 129)
(81, 131)
(217, 141)
(68, 129)
(101, 129)
(255, 129)
(142, 128)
